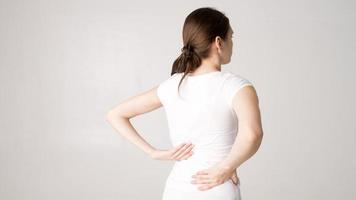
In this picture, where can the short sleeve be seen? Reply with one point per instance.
(160, 93)
(163, 90)
(233, 84)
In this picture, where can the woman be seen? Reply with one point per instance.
(202, 105)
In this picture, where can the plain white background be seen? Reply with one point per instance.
(64, 64)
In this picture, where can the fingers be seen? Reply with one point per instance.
(202, 173)
(201, 180)
(207, 180)
(201, 177)
(183, 151)
(207, 187)
(234, 175)
(235, 178)
(207, 183)
(177, 148)
(187, 155)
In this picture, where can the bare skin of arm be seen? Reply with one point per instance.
(246, 106)
(250, 132)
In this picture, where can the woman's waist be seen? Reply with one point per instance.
(211, 151)
(205, 139)
(184, 169)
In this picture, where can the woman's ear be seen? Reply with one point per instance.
(218, 43)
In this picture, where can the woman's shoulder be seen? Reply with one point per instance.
(169, 79)
(229, 77)
(233, 83)
(164, 88)
(230, 74)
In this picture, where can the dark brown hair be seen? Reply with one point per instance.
(199, 31)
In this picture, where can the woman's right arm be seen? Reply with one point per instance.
(250, 133)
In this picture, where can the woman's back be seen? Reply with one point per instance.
(201, 114)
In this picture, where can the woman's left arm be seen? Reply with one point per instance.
(119, 116)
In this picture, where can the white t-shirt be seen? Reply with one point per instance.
(204, 103)
(200, 113)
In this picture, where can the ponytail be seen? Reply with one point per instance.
(188, 61)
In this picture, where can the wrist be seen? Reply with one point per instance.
(227, 167)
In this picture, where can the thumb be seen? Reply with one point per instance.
(234, 178)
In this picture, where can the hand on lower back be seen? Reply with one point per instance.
(213, 176)
(178, 153)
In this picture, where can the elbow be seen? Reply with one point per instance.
(256, 135)
(110, 115)
(114, 115)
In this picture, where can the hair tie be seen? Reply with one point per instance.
(187, 49)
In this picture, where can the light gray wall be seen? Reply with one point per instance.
(63, 64)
